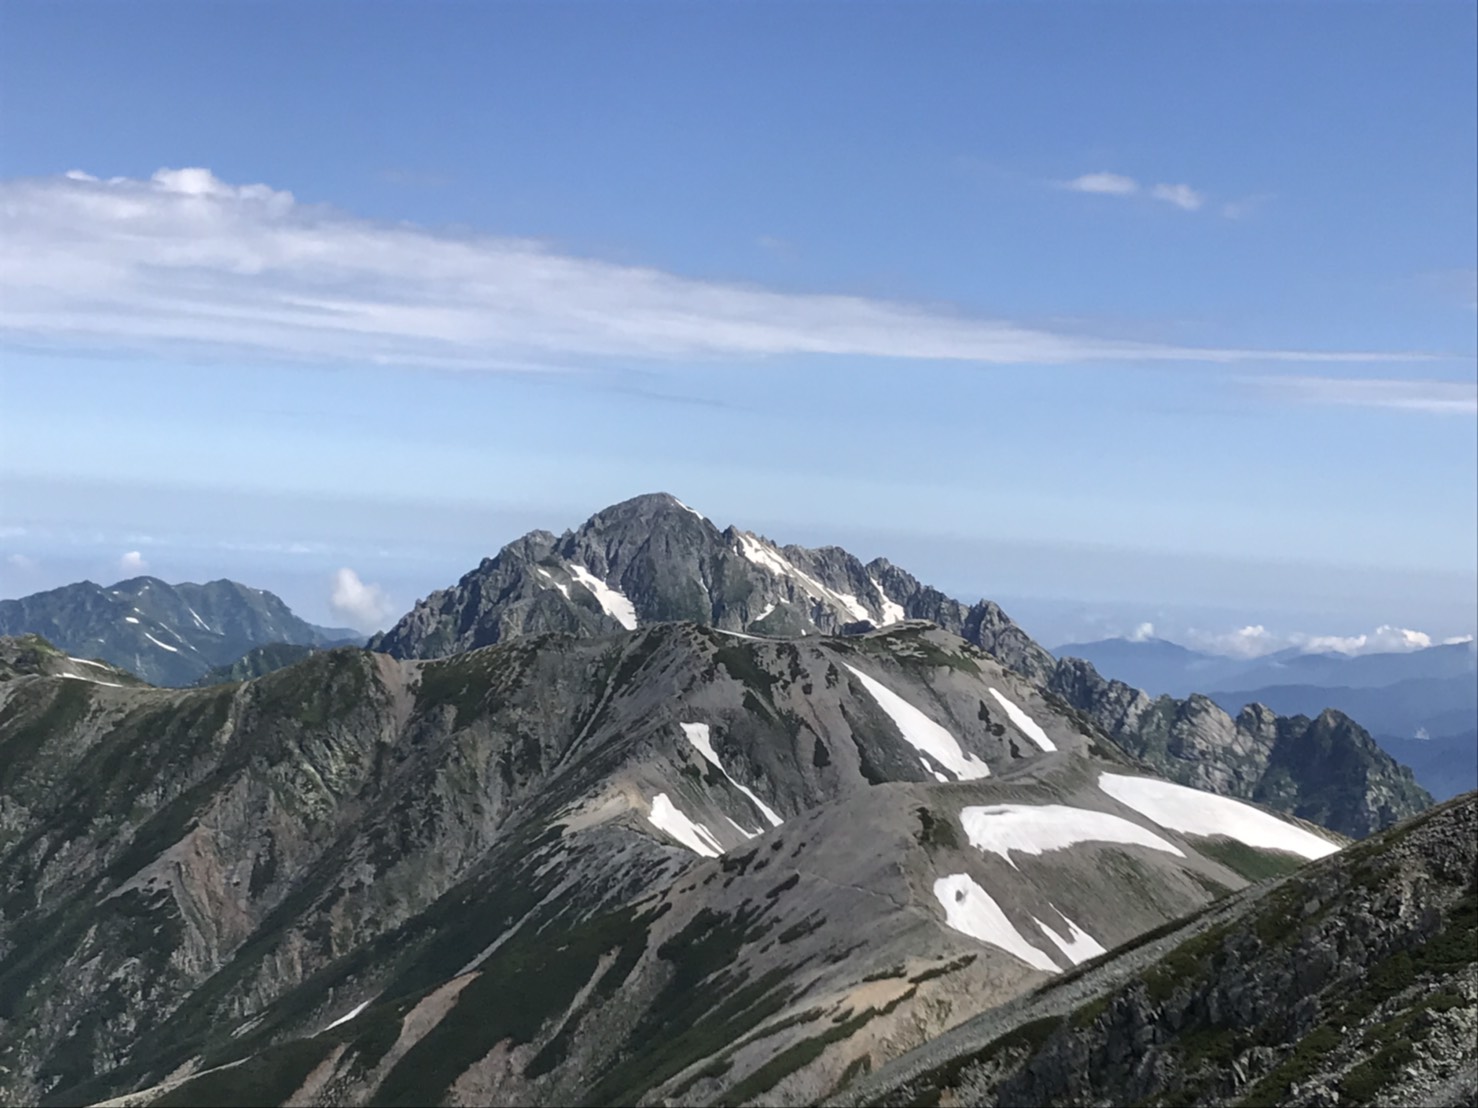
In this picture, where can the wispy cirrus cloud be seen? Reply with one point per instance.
(1111, 184)
(1430, 397)
(1181, 196)
(185, 262)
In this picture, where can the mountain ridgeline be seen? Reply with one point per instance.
(164, 634)
(653, 558)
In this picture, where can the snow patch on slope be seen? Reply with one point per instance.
(349, 1015)
(1037, 828)
(558, 584)
(970, 909)
(90, 680)
(892, 612)
(1194, 812)
(1079, 946)
(613, 601)
(698, 734)
(130, 619)
(1024, 723)
(196, 617)
(697, 838)
(685, 508)
(923, 733)
(85, 662)
(765, 555)
(161, 645)
(770, 607)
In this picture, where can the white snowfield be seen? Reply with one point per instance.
(892, 612)
(1037, 828)
(699, 735)
(1193, 812)
(558, 584)
(1079, 946)
(349, 1015)
(162, 645)
(612, 601)
(970, 909)
(763, 554)
(770, 607)
(697, 838)
(1024, 723)
(922, 732)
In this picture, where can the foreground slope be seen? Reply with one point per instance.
(165, 634)
(565, 868)
(1353, 981)
(653, 558)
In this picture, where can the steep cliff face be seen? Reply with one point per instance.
(1328, 769)
(653, 559)
(685, 853)
(1353, 981)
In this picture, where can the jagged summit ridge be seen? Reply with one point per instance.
(654, 558)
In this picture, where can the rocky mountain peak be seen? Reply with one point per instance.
(653, 559)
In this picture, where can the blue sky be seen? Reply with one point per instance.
(1113, 313)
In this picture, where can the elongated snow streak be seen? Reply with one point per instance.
(739, 635)
(742, 831)
(196, 617)
(85, 662)
(923, 733)
(1024, 723)
(162, 645)
(349, 1015)
(558, 584)
(612, 601)
(1194, 812)
(130, 619)
(694, 836)
(1079, 946)
(90, 680)
(695, 511)
(1037, 828)
(969, 908)
(892, 611)
(761, 554)
(699, 736)
(770, 607)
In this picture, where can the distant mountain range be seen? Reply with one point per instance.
(1421, 706)
(165, 634)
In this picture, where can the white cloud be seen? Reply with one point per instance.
(1241, 209)
(21, 562)
(132, 562)
(187, 263)
(1256, 641)
(1143, 633)
(1432, 397)
(1112, 184)
(364, 607)
(1182, 196)
(1252, 641)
